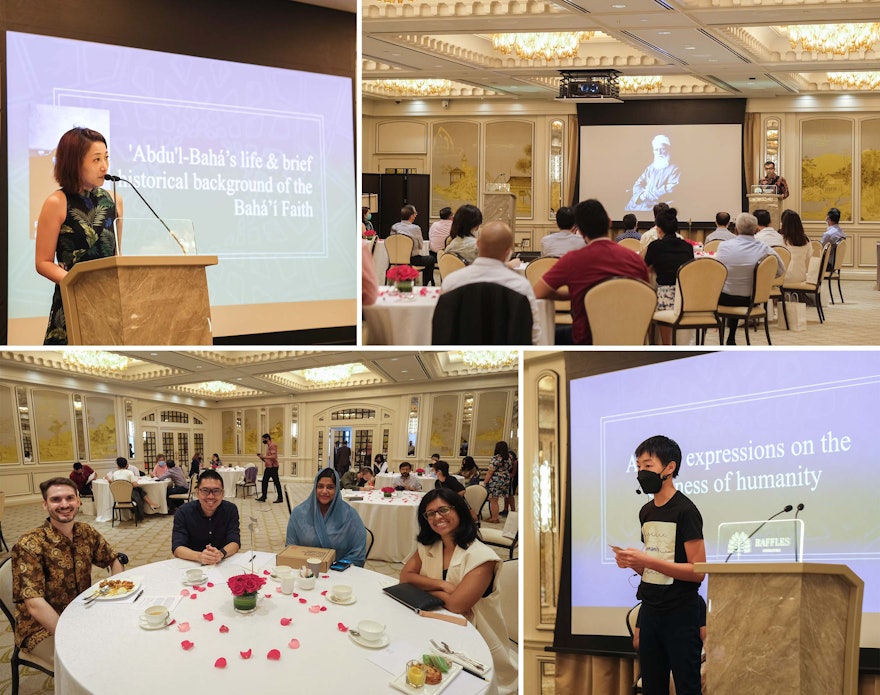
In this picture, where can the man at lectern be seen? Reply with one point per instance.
(771, 178)
(672, 533)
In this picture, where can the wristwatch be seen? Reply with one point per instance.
(223, 550)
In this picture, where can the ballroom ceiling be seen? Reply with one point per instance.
(258, 374)
(708, 48)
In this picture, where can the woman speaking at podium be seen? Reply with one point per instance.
(76, 222)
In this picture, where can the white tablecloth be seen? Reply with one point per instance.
(230, 477)
(102, 651)
(385, 480)
(392, 521)
(104, 500)
(380, 259)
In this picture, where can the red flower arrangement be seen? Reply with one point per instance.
(387, 490)
(420, 471)
(402, 273)
(693, 243)
(242, 584)
(368, 233)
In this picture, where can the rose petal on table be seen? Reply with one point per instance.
(200, 589)
(187, 645)
(184, 592)
(277, 589)
(341, 627)
(268, 595)
(224, 629)
(194, 596)
(220, 663)
(295, 594)
(286, 621)
(323, 608)
(314, 609)
(247, 654)
(324, 593)
(208, 616)
(294, 643)
(302, 600)
(273, 655)
(325, 576)
(210, 584)
(183, 627)
(266, 572)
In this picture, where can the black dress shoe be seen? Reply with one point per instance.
(261, 499)
(278, 501)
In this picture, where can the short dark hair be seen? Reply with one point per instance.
(170, 463)
(834, 215)
(663, 448)
(121, 462)
(630, 221)
(658, 208)
(445, 213)
(722, 219)
(46, 484)
(405, 463)
(467, 219)
(77, 465)
(763, 217)
(769, 162)
(443, 467)
(210, 474)
(407, 211)
(265, 436)
(435, 456)
(591, 219)
(465, 534)
(366, 469)
(69, 155)
(565, 218)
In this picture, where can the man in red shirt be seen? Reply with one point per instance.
(580, 270)
(270, 458)
(83, 475)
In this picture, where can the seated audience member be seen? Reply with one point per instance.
(160, 467)
(439, 232)
(578, 271)
(630, 226)
(444, 479)
(566, 239)
(206, 530)
(349, 479)
(462, 241)
(722, 231)
(459, 569)
(52, 565)
(408, 227)
(406, 481)
(798, 244)
(366, 220)
(369, 284)
(653, 233)
(665, 256)
(469, 471)
(365, 479)
(834, 233)
(138, 496)
(765, 232)
(179, 483)
(740, 255)
(216, 462)
(83, 475)
(495, 246)
(380, 464)
(325, 520)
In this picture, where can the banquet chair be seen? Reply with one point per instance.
(776, 288)
(448, 263)
(18, 658)
(698, 286)
(508, 580)
(817, 248)
(183, 497)
(370, 540)
(838, 255)
(2, 507)
(287, 498)
(620, 310)
(482, 313)
(762, 281)
(711, 246)
(631, 244)
(632, 616)
(248, 481)
(814, 288)
(400, 249)
(476, 498)
(535, 269)
(122, 490)
(507, 537)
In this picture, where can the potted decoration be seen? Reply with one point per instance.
(245, 588)
(368, 234)
(402, 276)
(387, 491)
(420, 471)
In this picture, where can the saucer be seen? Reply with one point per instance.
(378, 644)
(339, 602)
(204, 579)
(146, 626)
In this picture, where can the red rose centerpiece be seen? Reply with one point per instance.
(368, 234)
(402, 276)
(387, 491)
(420, 471)
(244, 588)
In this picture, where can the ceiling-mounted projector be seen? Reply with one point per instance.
(600, 85)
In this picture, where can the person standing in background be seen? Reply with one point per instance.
(270, 472)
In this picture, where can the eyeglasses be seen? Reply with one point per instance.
(211, 491)
(442, 511)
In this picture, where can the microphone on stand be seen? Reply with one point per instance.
(114, 179)
(800, 508)
(787, 508)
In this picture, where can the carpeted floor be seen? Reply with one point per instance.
(150, 542)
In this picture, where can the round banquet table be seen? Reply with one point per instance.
(99, 649)
(104, 500)
(385, 480)
(392, 521)
(230, 477)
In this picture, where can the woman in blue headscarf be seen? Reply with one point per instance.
(325, 520)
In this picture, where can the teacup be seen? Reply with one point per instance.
(371, 630)
(288, 583)
(282, 571)
(155, 615)
(195, 575)
(341, 592)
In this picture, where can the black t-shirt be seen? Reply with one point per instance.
(450, 483)
(666, 256)
(665, 530)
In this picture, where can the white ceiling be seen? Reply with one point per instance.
(701, 47)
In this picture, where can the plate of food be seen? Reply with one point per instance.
(438, 672)
(110, 589)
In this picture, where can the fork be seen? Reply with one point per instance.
(99, 592)
(446, 649)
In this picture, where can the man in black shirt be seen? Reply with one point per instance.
(206, 530)
(446, 480)
(672, 533)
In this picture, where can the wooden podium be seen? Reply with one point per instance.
(138, 300)
(782, 628)
(771, 202)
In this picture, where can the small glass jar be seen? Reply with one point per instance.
(415, 673)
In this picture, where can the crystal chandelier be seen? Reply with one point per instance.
(415, 88)
(215, 388)
(96, 359)
(333, 375)
(839, 39)
(640, 83)
(855, 80)
(549, 46)
(486, 359)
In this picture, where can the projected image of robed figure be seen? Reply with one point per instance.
(658, 179)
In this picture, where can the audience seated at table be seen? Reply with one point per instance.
(406, 480)
(722, 228)
(360, 479)
(798, 244)
(469, 471)
(462, 241)
(179, 483)
(445, 480)
(455, 566)
(566, 239)
(438, 234)
(380, 464)
(653, 233)
(834, 233)
(83, 475)
(630, 227)
(495, 246)
(138, 496)
(408, 227)
(497, 479)
(160, 467)
(577, 271)
(765, 232)
(215, 461)
(206, 530)
(664, 257)
(325, 520)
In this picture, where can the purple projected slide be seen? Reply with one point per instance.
(758, 431)
(260, 159)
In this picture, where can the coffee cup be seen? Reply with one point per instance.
(288, 581)
(195, 575)
(155, 615)
(341, 592)
(282, 571)
(314, 565)
(371, 630)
